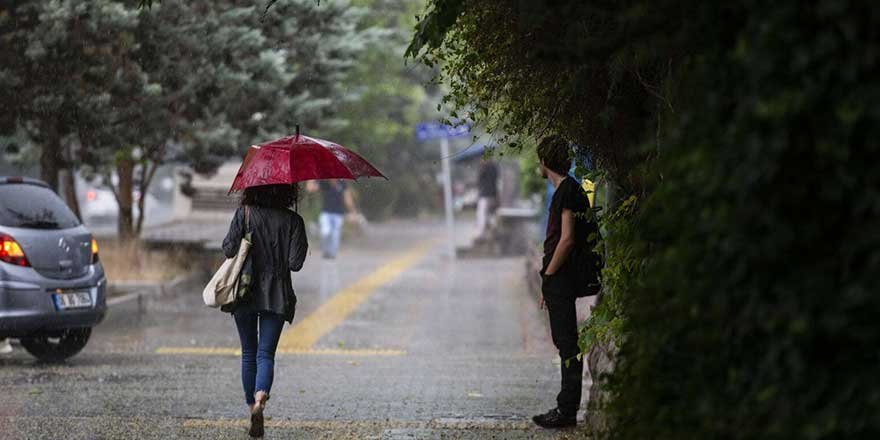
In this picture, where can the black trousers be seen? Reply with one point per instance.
(560, 299)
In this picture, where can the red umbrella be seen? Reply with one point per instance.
(297, 158)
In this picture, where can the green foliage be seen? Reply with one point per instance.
(755, 313)
(530, 178)
(194, 82)
(255, 77)
(56, 66)
(590, 73)
(202, 80)
(623, 267)
(389, 99)
(432, 29)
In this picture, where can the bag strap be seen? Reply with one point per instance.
(247, 223)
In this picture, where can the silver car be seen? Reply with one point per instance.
(52, 285)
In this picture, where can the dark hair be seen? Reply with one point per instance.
(271, 196)
(555, 153)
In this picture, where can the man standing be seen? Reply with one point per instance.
(335, 198)
(487, 202)
(569, 226)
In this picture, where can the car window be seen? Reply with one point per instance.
(31, 206)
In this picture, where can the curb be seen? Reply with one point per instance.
(142, 290)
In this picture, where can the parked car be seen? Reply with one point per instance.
(52, 284)
(100, 210)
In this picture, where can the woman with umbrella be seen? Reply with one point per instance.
(269, 176)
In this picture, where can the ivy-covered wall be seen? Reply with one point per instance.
(753, 309)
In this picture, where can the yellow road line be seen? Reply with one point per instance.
(307, 332)
(299, 339)
(224, 351)
(349, 425)
(199, 350)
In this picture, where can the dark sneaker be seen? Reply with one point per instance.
(555, 419)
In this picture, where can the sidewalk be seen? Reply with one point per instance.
(410, 345)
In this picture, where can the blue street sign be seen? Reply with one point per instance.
(434, 130)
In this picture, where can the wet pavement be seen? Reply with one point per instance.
(392, 340)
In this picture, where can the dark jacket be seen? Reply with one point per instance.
(279, 246)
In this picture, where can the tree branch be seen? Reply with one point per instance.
(109, 182)
(266, 11)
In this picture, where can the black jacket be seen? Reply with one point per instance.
(279, 246)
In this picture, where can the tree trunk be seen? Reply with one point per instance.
(148, 170)
(50, 162)
(139, 226)
(125, 172)
(600, 358)
(69, 178)
(600, 362)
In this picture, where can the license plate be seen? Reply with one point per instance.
(73, 300)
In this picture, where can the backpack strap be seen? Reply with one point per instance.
(247, 215)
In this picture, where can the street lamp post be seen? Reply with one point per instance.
(432, 130)
(447, 197)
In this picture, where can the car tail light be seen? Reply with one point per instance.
(11, 252)
(94, 251)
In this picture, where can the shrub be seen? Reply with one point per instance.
(755, 313)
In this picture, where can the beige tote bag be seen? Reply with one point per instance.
(221, 290)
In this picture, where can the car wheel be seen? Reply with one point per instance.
(58, 346)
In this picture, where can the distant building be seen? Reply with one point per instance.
(201, 209)
(197, 196)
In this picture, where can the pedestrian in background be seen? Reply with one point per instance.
(5, 346)
(336, 199)
(487, 201)
(279, 246)
(569, 225)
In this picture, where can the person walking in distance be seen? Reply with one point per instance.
(5, 346)
(335, 199)
(569, 225)
(487, 202)
(279, 246)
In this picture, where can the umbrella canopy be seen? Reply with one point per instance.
(298, 158)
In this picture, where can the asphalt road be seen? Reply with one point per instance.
(391, 341)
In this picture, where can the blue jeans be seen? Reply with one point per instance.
(331, 232)
(257, 350)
